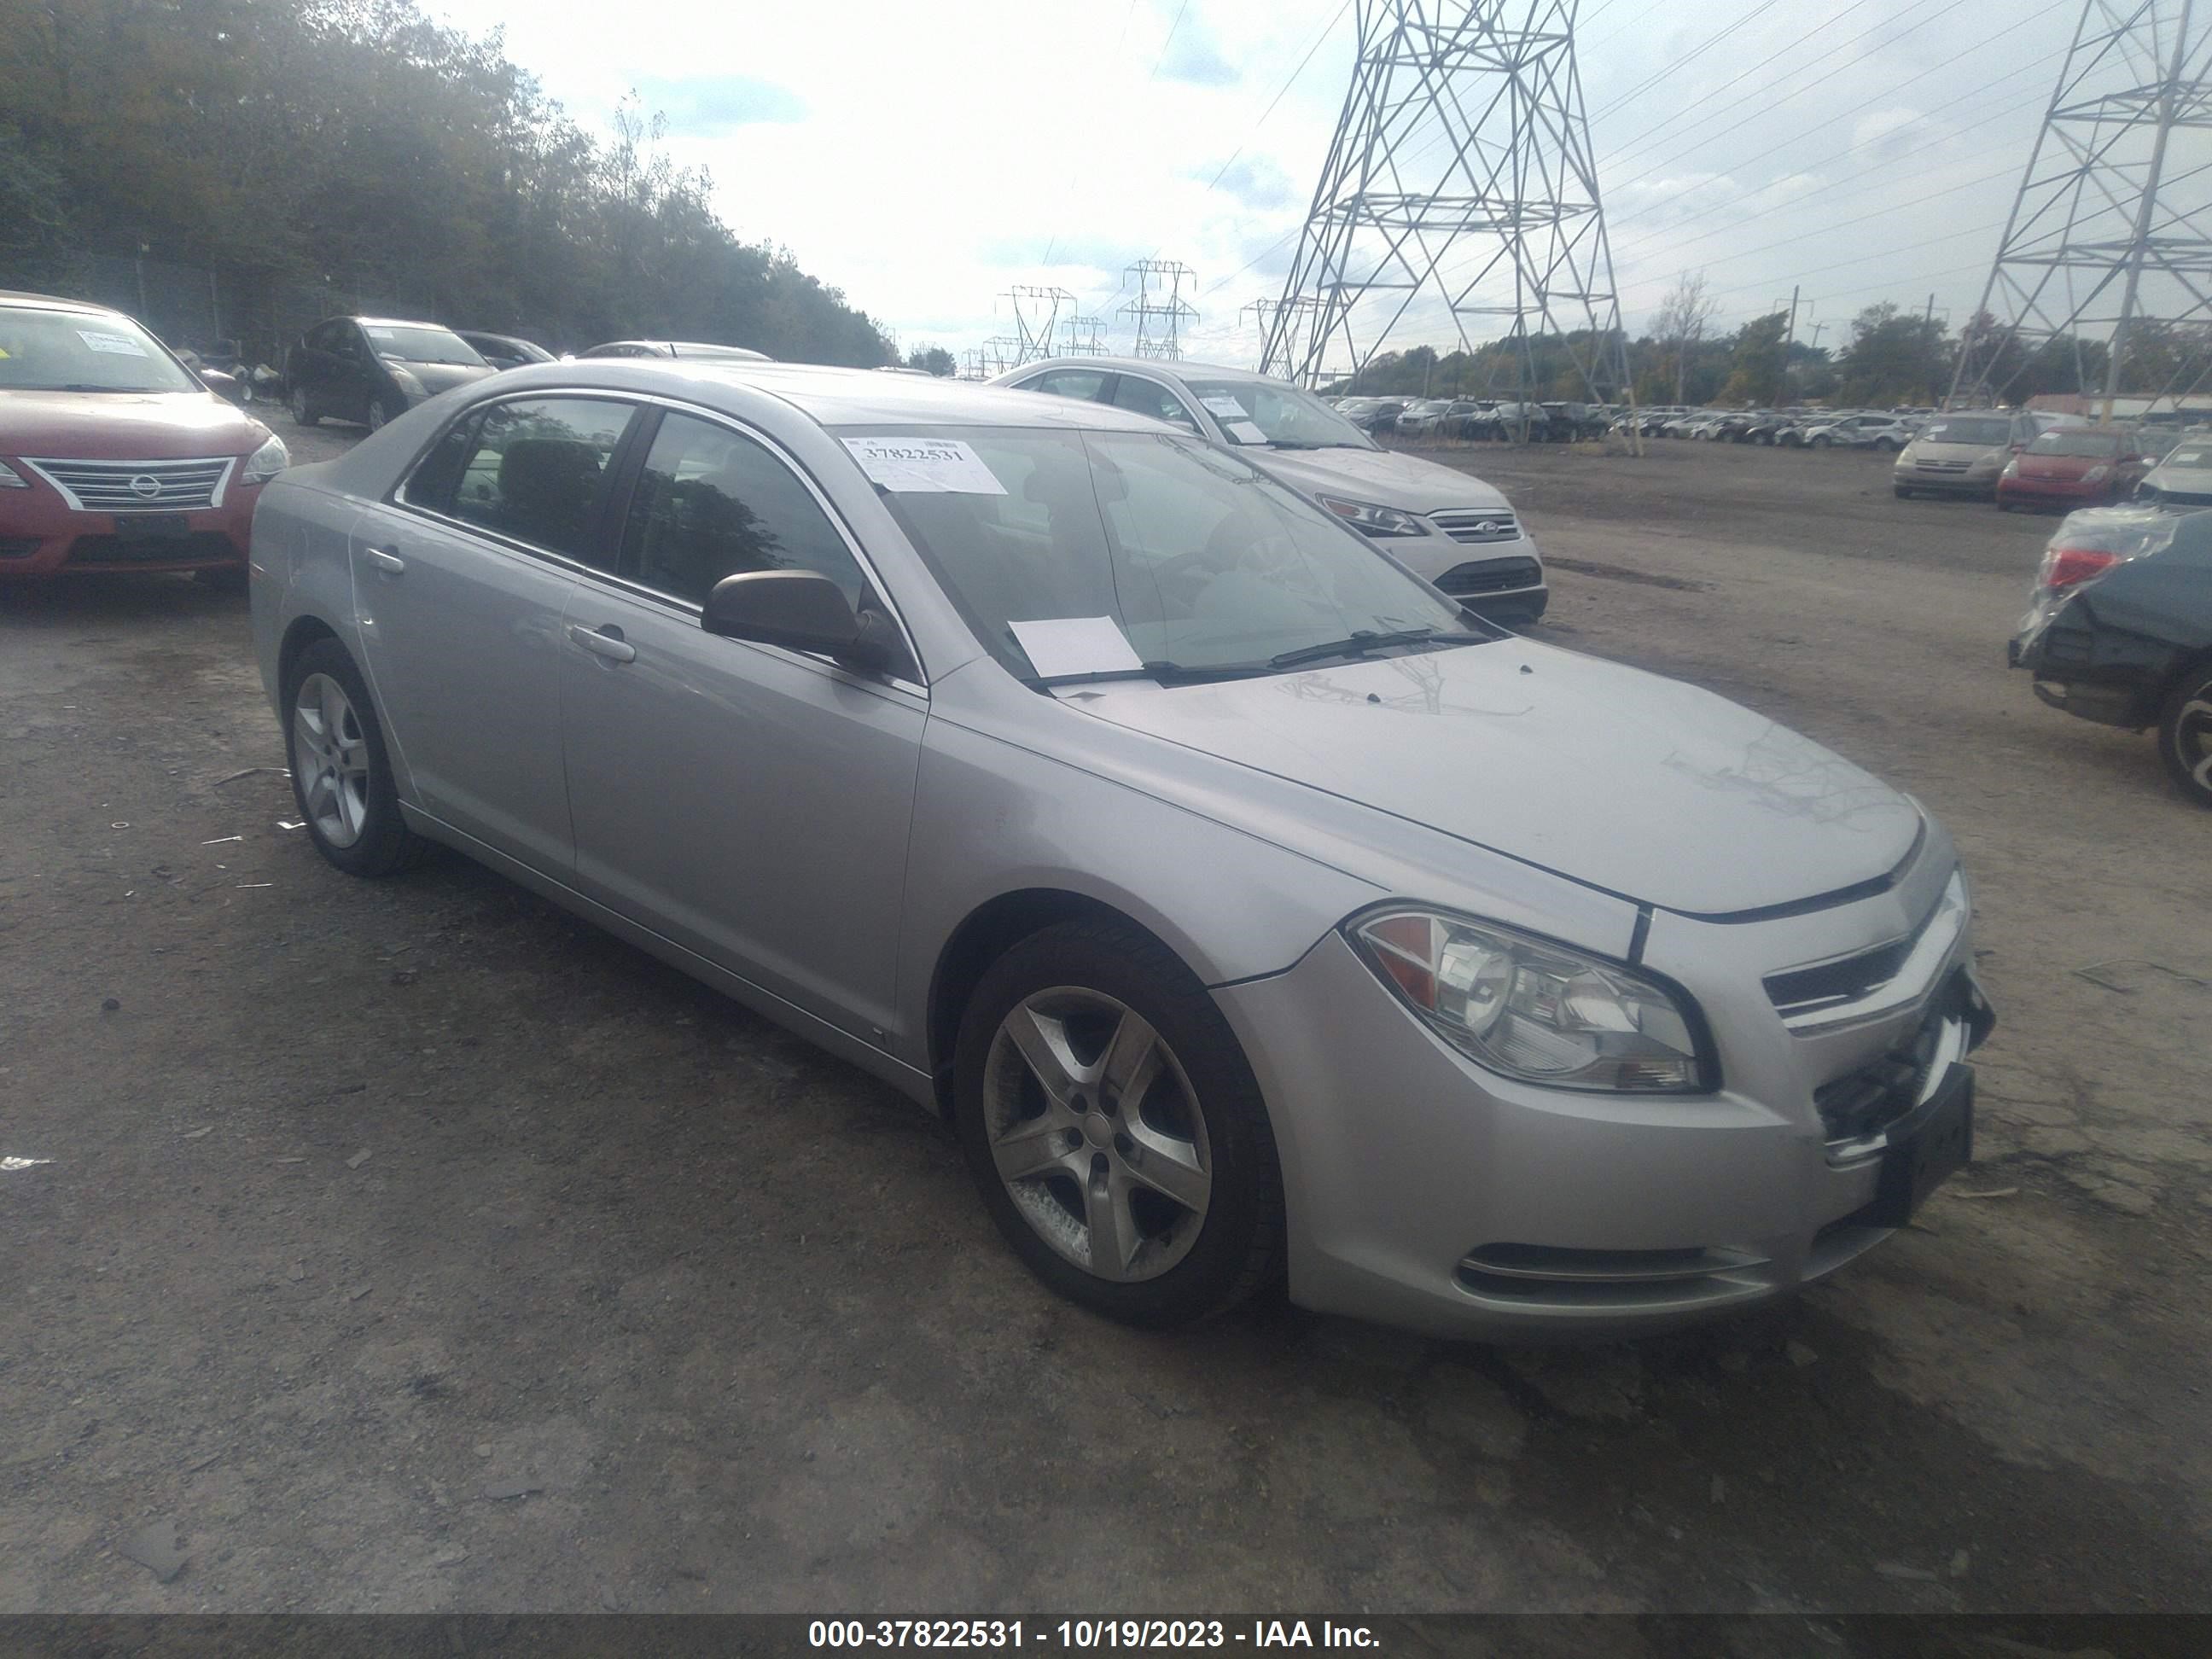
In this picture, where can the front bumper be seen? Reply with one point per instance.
(2075, 491)
(42, 535)
(1425, 1192)
(1954, 484)
(1502, 581)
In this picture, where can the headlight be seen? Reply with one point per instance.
(1534, 1010)
(2093, 474)
(406, 381)
(11, 479)
(2012, 467)
(266, 462)
(1371, 520)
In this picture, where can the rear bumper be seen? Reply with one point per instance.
(40, 535)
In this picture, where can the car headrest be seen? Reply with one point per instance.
(547, 477)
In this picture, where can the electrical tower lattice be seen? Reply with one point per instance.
(1159, 308)
(2108, 230)
(1460, 185)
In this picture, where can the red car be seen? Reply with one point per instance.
(113, 455)
(2071, 467)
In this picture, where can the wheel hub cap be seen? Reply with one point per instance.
(1097, 1133)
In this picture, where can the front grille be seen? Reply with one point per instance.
(18, 547)
(138, 486)
(152, 549)
(1499, 576)
(1865, 1102)
(1942, 466)
(1477, 527)
(1804, 989)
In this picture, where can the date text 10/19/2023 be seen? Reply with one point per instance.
(1085, 1635)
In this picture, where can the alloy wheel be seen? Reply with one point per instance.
(377, 417)
(329, 758)
(299, 404)
(1097, 1134)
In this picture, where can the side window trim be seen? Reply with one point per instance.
(629, 583)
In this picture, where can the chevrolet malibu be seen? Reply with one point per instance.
(113, 455)
(1253, 913)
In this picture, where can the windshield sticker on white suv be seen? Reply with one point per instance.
(115, 345)
(925, 467)
(1076, 645)
(1225, 406)
(1246, 431)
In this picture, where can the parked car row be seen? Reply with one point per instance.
(368, 369)
(1477, 420)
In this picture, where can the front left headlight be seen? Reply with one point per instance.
(266, 462)
(410, 383)
(1534, 1010)
(2096, 474)
(1368, 519)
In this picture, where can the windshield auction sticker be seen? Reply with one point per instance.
(1076, 645)
(925, 467)
(116, 345)
(1226, 407)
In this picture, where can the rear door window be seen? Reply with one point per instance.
(536, 469)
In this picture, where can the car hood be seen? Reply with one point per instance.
(2061, 466)
(1379, 476)
(443, 377)
(1643, 787)
(2195, 479)
(135, 426)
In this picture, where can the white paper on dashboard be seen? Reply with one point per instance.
(930, 467)
(1246, 431)
(1226, 407)
(1076, 645)
(115, 345)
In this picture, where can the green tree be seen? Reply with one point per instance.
(1757, 359)
(933, 359)
(1895, 356)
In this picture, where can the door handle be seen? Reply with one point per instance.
(387, 560)
(606, 642)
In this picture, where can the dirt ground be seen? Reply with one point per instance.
(412, 1245)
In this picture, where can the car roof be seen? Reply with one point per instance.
(858, 397)
(1176, 365)
(57, 302)
(393, 322)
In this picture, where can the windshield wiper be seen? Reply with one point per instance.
(1359, 644)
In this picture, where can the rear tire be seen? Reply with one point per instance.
(341, 777)
(1080, 1001)
(2184, 734)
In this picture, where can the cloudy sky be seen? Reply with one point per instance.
(925, 158)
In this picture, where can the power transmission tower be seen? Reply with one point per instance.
(1083, 336)
(1460, 185)
(2106, 233)
(975, 364)
(1160, 307)
(1036, 318)
(1002, 352)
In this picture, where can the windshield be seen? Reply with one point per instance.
(1158, 545)
(412, 343)
(1983, 433)
(1266, 412)
(79, 351)
(2076, 443)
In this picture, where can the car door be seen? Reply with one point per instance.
(353, 373)
(748, 802)
(461, 583)
(318, 366)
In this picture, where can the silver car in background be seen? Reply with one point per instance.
(1439, 522)
(1254, 914)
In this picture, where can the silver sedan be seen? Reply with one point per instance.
(1255, 913)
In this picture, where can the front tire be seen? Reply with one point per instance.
(341, 770)
(2184, 734)
(303, 412)
(377, 414)
(1115, 1129)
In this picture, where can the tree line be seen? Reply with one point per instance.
(1890, 354)
(362, 144)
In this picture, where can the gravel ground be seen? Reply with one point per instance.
(412, 1245)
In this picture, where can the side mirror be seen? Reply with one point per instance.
(799, 610)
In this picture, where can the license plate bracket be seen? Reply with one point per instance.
(1927, 1147)
(151, 526)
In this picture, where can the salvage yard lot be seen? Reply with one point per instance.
(413, 1246)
